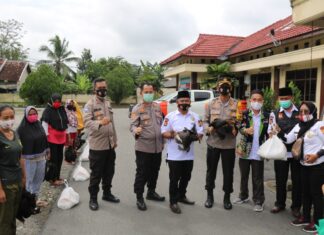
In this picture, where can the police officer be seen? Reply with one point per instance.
(98, 118)
(180, 161)
(221, 141)
(286, 118)
(146, 121)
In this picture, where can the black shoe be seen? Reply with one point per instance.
(185, 200)
(227, 202)
(210, 201)
(154, 196)
(93, 204)
(175, 208)
(110, 198)
(141, 204)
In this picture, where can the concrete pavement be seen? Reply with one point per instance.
(125, 218)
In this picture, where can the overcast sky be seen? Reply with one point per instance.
(137, 30)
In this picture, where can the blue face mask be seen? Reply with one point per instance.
(148, 97)
(285, 104)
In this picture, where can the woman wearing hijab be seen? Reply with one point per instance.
(35, 150)
(71, 131)
(55, 123)
(12, 171)
(312, 161)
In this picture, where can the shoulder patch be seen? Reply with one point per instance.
(322, 129)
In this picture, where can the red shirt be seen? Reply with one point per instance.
(55, 136)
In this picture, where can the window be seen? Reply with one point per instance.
(200, 96)
(257, 56)
(260, 81)
(212, 61)
(203, 61)
(251, 57)
(286, 49)
(264, 54)
(305, 80)
(318, 42)
(296, 47)
(306, 44)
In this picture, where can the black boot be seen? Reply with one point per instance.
(154, 196)
(93, 204)
(108, 196)
(210, 200)
(227, 201)
(141, 204)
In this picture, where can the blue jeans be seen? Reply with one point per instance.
(35, 172)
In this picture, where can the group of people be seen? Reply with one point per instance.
(33, 153)
(181, 128)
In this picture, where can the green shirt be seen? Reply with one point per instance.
(10, 153)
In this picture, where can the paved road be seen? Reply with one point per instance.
(125, 218)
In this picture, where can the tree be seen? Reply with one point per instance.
(10, 35)
(217, 71)
(269, 103)
(40, 85)
(83, 84)
(120, 84)
(86, 59)
(58, 55)
(297, 95)
(151, 73)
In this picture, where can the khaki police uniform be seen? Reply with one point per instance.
(217, 147)
(148, 145)
(102, 143)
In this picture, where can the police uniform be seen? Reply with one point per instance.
(220, 147)
(148, 147)
(312, 173)
(102, 143)
(286, 121)
(180, 162)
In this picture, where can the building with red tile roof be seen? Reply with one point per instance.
(272, 57)
(12, 74)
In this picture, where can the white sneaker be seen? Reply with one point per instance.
(258, 208)
(240, 200)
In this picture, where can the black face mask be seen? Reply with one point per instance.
(225, 89)
(184, 107)
(102, 92)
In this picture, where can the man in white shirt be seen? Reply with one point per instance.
(180, 155)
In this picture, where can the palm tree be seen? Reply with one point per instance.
(58, 55)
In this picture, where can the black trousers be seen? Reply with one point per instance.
(55, 162)
(102, 165)
(257, 179)
(147, 171)
(180, 175)
(312, 181)
(281, 171)
(228, 163)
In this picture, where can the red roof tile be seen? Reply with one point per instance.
(207, 45)
(284, 29)
(11, 70)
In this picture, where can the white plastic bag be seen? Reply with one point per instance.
(84, 157)
(80, 173)
(273, 149)
(68, 198)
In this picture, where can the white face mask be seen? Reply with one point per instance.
(256, 105)
(306, 118)
(7, 124)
